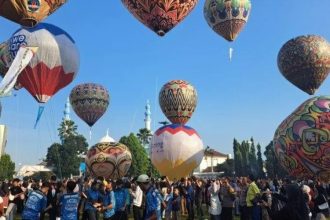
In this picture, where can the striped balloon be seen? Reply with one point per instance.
(55, 64)
(89, 101)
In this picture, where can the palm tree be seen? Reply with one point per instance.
(67, 129)
(144, 136)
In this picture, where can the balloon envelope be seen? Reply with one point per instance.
(109, 160)
(89, 101)
(160, 15)
(302, 141)
(55, 64)
(227, 17)
(178, 100)
(28, 13)
(176, 150)
(305, 62)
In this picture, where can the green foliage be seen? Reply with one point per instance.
(273, 167)
(140, 162)
(227, 167)
(7, 167)
(144, 136)
(64, 157)
(41, 176)
(260, 162)
(67, 129)
(246, 159)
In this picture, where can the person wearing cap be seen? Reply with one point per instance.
(152, 200)
(109, 203)
(36, 203)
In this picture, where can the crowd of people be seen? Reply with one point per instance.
(146, 198)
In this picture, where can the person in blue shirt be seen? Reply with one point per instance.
(36, 203)
(69, 203)
(121, 201)
(152, 197)
(109, 203)
(93, 201)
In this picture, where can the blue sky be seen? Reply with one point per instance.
(244, 98)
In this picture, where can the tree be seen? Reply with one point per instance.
(273, 167)
(237, 158)
(140, 162)
(260, 162)
(227, 167)
(144, 136)
(64, 157)
(67, 129)
(7, 167)
(252, 157)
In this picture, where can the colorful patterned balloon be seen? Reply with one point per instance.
(227, 17)
(302, 141)
(176, 150)
(178, 100)
(305, 62)
(28, 13)
(160, 15)
(55, 64)
(89, 101)
(109, 160)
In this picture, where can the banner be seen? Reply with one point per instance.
(21, 60)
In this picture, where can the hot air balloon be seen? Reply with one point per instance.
(305, 62)
(227, 17)
(176, 150)
(89, 101)
(178, 100)
(302, 141)
(160, 15)
(28, 13)
(108, 159)
(55, 64)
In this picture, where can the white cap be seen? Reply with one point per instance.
(143, 179)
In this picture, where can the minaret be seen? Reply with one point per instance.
(147, 114)
(67, 110)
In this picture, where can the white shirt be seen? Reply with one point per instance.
(215, 205)
(137, 195)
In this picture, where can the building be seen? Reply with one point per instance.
(210, 160)
(29, 170)
(3, 139)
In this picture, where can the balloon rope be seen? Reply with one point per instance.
(231, 50)
(90, 134)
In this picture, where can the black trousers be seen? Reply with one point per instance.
(226, 213)
(190, 209)
(244, 212)
(121, 215)
(137, 213)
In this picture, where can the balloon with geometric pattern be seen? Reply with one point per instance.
(176, 150)
(305, 62)
(160, 15)
(227, 17)
(28, 13)
(302, 141)
(178, 100)
(108, 159)
(89, 101)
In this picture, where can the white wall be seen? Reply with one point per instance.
(207, 162)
